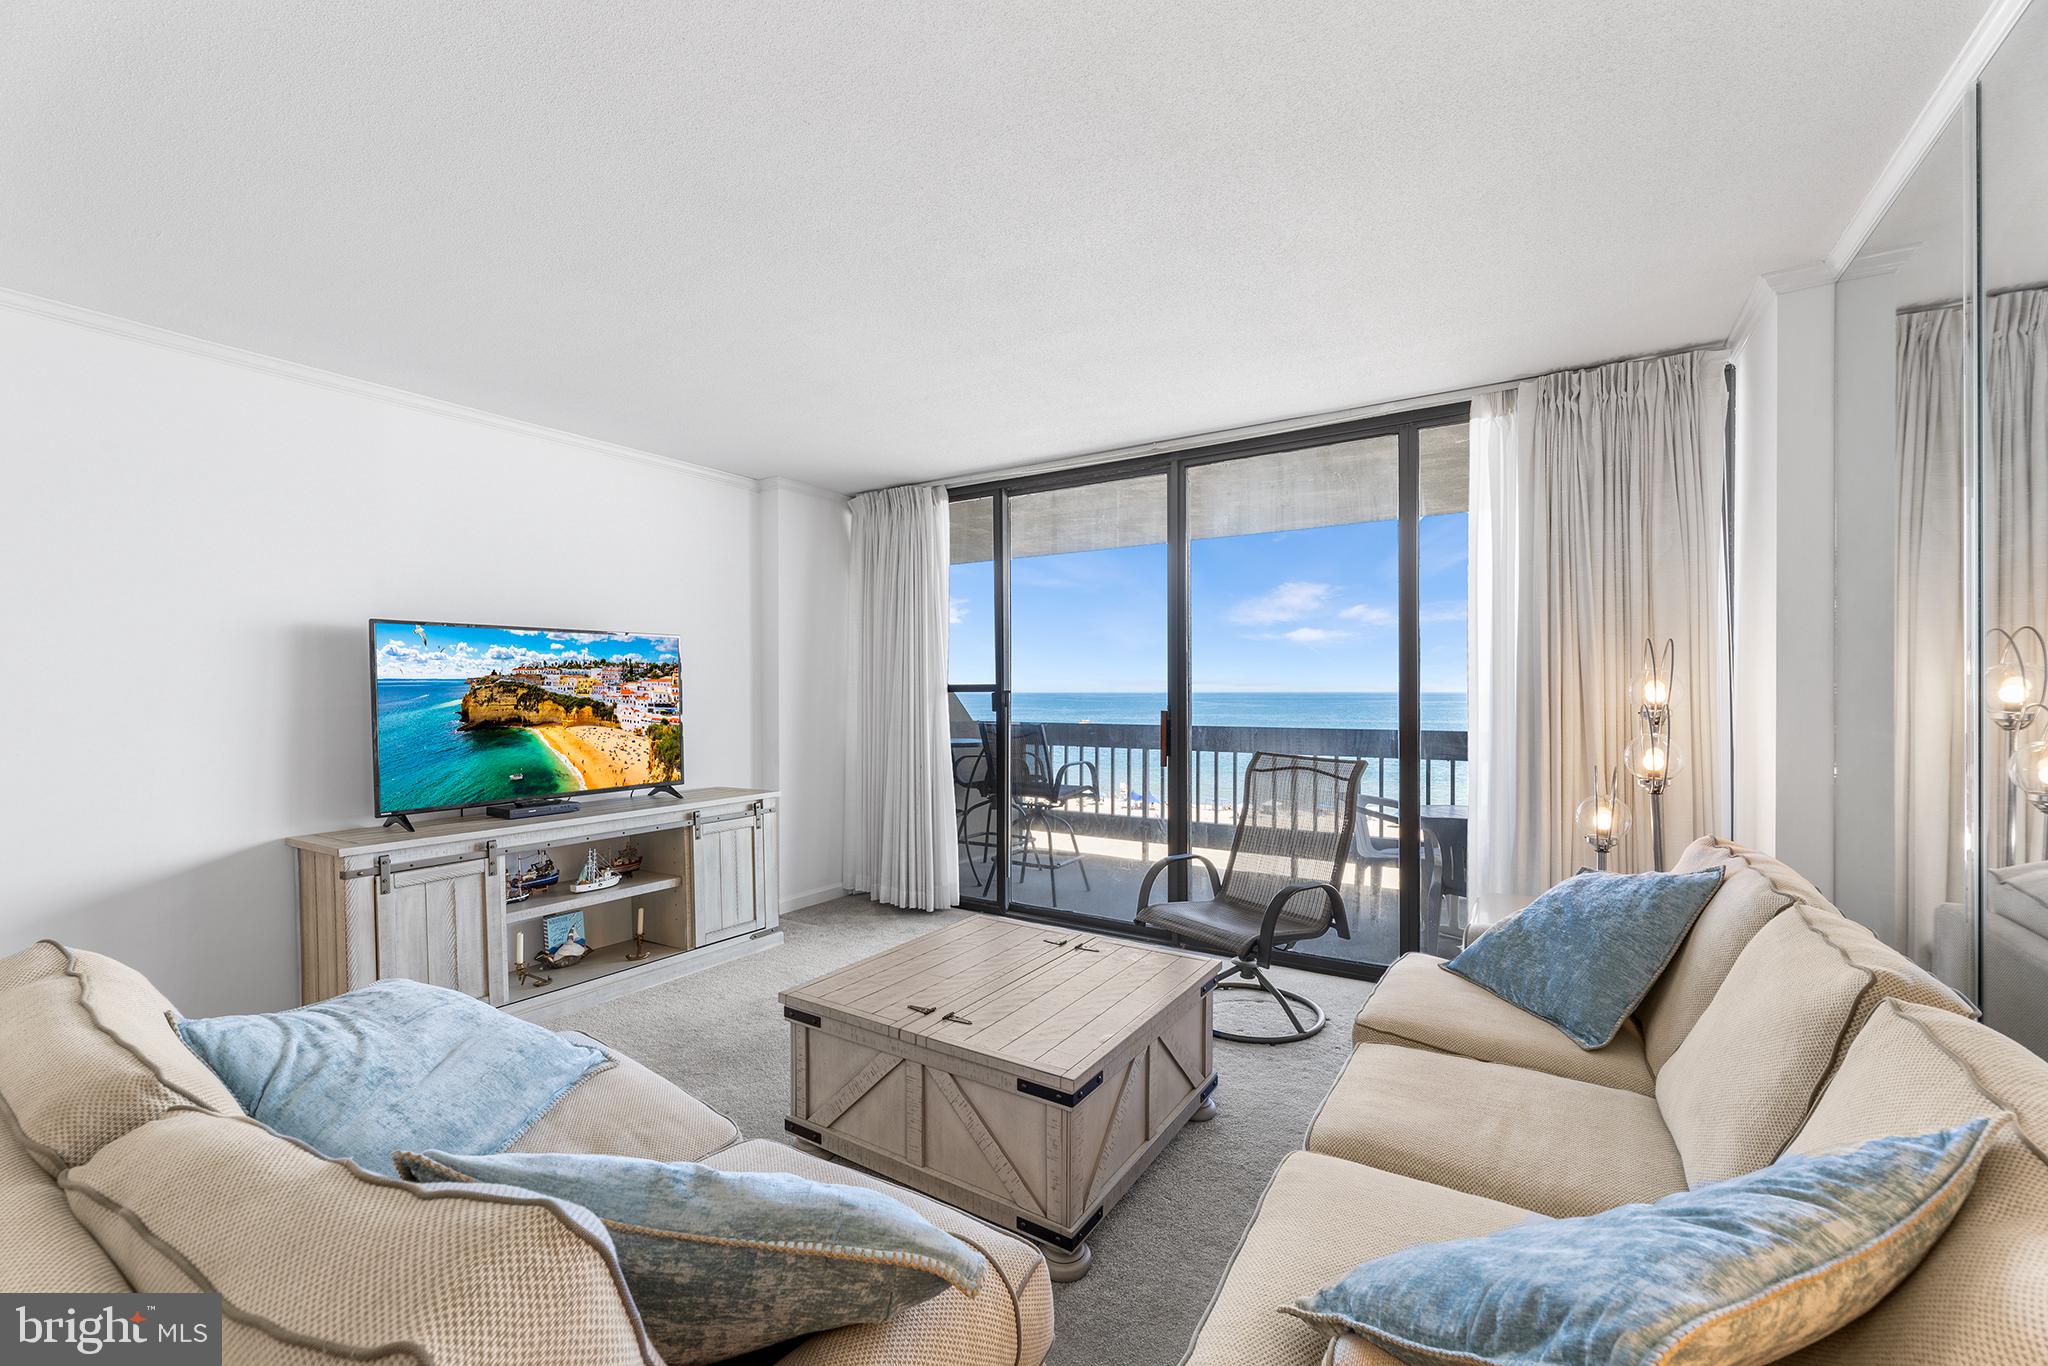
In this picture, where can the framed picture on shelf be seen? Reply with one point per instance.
(557, 930)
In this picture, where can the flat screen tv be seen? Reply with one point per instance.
(467, 715)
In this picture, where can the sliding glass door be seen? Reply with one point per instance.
(1128, 637)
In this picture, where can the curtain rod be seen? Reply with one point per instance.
(1168, 445)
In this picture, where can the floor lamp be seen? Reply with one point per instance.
(2015, 694)
(1653, 757)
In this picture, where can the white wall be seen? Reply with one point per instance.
(802, 547)
(192, 548)
(1866, 593)
(1783, 712)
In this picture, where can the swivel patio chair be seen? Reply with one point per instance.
(1282, 884)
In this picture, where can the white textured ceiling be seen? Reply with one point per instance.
(863, 243)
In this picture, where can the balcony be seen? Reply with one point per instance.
(1089, 856)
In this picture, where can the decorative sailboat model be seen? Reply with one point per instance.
(597, 875)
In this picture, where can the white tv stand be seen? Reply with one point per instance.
(430, 904)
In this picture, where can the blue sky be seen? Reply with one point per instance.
(467, 651)
(1286, 611)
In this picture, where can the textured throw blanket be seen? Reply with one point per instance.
(395, 1065)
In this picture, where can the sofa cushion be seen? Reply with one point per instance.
(48, 1250)
(726, 1263)
(1736, 1273)
(1319, 1218)
(1982, 1294)
(629, 1111)
(1585, 953)
(1745, 904)
(308, 1249)
(1545, 1143)
(1417, 1005)
(1707, 851)
(89, 1053)
(1743, 1081)
(1008, 1323)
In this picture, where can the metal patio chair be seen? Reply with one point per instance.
(1039, 793)
(1376, 845)
(1282, 884)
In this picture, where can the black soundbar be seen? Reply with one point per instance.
(519, 811)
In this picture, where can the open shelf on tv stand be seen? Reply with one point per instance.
(429, 903)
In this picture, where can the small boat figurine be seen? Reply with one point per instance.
(564, 953)
(596, 875)
(514, 892)
(540, 875)
(627, 861)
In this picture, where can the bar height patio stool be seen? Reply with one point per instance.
(1039, 793)
(1281, 885)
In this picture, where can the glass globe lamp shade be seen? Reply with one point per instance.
(1652, 689)
(1601, 819)
(2006, 684)
(1652, 758)
(2029, 770)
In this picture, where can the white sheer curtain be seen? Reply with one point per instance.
(900, 845)
(1597, 522)
(1927, 628)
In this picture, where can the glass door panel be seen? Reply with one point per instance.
(1088, 676)
(1294, 585)
(1442, 625)
(971, 697)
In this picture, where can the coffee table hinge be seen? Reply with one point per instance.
(1066, 1098)
(801, 1017)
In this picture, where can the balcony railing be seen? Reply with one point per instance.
(1130, 782)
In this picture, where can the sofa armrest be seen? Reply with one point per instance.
(629, 1111)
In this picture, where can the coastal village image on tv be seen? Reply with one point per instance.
(474, 714)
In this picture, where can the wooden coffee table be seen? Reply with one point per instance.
(1023, 1074)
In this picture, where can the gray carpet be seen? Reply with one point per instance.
(1158, 1255)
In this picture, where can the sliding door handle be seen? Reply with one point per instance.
(1165, 737)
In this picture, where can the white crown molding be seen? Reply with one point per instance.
(1948, 96)
(1760, 297)
(782, 483)
(131, 330)
(1791, 280)
(1871, 263)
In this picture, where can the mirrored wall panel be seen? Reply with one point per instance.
(2013, 341)
(1903, 710)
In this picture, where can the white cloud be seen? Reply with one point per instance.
(1312, 635)
(1366, 614)
(1291, 601)
(956, 610)
(557, 646)
(1443, 611)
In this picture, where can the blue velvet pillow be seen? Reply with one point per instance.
(723, 1263)
(1586, 952)
(1734, 1272)
(395, 1064)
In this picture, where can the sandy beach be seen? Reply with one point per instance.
(603, 755)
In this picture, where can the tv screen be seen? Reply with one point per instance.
(470, 715)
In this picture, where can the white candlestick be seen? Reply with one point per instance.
(519, 947)
(640, 921)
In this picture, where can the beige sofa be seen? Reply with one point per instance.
(127, 1165)
(1780, 1026)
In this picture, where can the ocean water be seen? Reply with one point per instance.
(425, 759)
(1135, 781)
(1332, 710)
